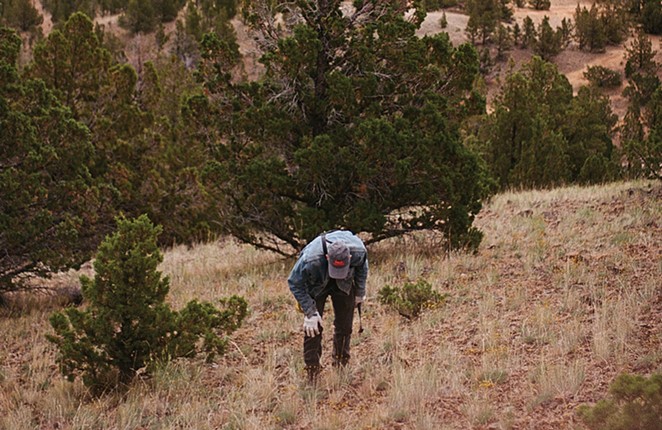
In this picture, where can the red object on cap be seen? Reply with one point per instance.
(338, 263)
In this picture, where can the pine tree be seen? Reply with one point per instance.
(504, 41)
(127, 325)
(651, 17)
(483, 18)
(589, 29)
(21, 14)
(140, 16)
(528, 113)
(549, 41)
(641, 132)
(540, 4)
(529, 36)
(589, 128)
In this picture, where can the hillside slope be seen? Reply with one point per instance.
(563, 295)
(571, 62)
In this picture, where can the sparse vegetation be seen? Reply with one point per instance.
(561, 295)
(525, 323)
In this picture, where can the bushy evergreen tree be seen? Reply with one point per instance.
(142, 158)
(48, 197)
(484, 15)
(355, 125)
(127, 325)
(589, 29)
(641, 131)
(604, 24)
(589, 128)
(651, 17)
(140, 16)
(20, 14)
(540, 135)
(529, 34)
(540, 4)
(549, 41)
(603, 77)
(61, 10)
(503, 41)
(634, 403)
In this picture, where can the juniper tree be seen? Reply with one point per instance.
(651, 17)
(484, 15)
(540, 135)
(355, 124)
(48, 197)
(549, 42)
(20, 14)
(127, 324)
(641, 131)
(529, 35)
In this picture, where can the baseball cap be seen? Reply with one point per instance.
(338, 254)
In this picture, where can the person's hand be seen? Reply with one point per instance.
(358, 300)
(312, 325)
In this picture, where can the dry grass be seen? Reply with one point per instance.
(562, 296)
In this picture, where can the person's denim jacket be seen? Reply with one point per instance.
(310, 274)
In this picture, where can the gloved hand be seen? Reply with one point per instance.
(312, 325)
(358, 300)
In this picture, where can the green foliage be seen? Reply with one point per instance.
(353, 126)
(604, 24)
(127, 326)
(540, 4)
(140, 17)
(642, 129)
(484, 15)
(74, 64)
(549, 41)
(48, 198)
(565, 30)
(432, 5)
(529, 35)
(143, 160)
(20, 14)
(503, 41)
(589, 30)
(602, 77)
(411, 299)
(539, 135)
(62, 10)
(635, 403)
(588, 128)
(651, 17)
(443, 22)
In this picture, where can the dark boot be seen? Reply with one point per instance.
(341, 350)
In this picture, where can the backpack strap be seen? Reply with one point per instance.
(324, 244)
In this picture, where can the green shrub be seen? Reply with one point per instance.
(432, 5)
(411, 299)
(603, 77)
(127, 327)
(635, 403)
(540, 4)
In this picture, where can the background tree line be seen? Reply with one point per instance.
(357, 123)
